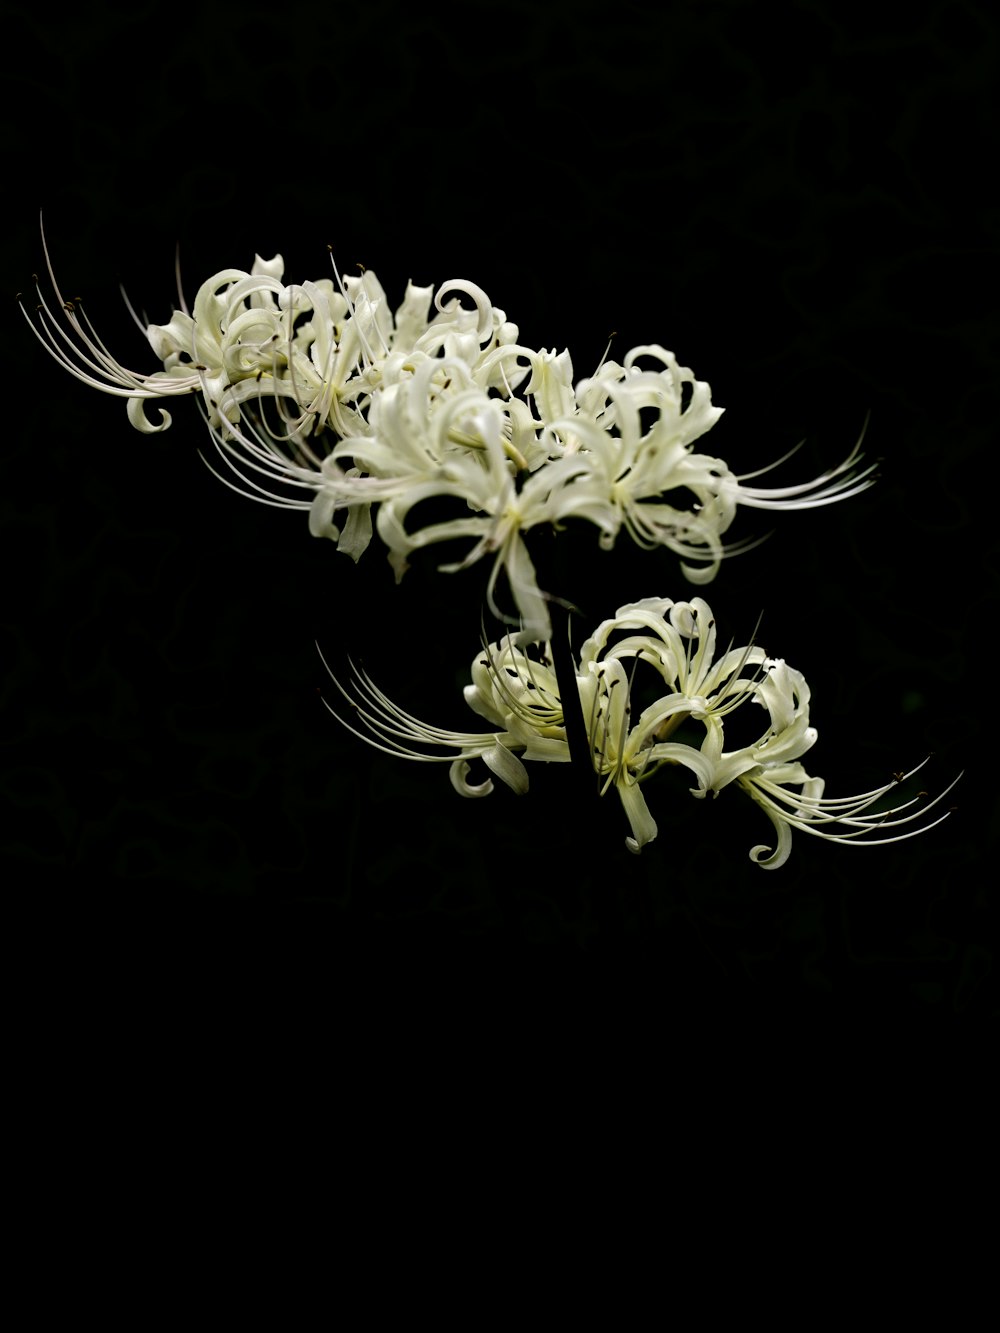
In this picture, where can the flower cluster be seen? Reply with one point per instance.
(518, 694)
(433, 423)
(320, 397)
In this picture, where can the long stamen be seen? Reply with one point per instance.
(352, 308)
(812, 814)
(838, 483)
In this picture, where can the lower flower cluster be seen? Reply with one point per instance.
(654, 693)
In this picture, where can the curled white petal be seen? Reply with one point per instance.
(458, 772)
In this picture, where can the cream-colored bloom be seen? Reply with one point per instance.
(516, 692)
(319, 397)
(321, 348)
(674, 643)
(677, 640)
(637, 423)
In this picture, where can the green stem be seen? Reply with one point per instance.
(577, 737)
(604, 851)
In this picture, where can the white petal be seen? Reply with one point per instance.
(507, 767)
(643, 824)
(458, 772)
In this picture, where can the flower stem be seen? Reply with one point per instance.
(605, 850)
(572, 708)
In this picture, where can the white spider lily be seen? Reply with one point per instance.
(513, 691)
(700, 687)
(319, 398)
(638, 426)
(518, 694)
(768, 768)
(435, 435)
(251, 336)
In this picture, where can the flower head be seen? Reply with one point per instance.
(674, 644)
(318, 396)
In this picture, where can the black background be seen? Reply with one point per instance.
(799, 206)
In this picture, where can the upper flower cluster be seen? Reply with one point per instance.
(321, 397)
(629, 739)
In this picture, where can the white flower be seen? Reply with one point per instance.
(638, 423)
(515, 692)
(518, 693)
(700, 688)
(319, 397)
(318, 346)
(432, 432)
